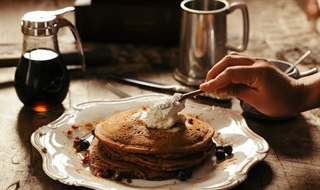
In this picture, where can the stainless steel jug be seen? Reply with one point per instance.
(41, 77)
(203, 40)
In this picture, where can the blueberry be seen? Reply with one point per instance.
(84, 144)
(219, 147)
(228, 149)
(117, 176)
(107, 173)
(81, 140)
(189, 172)
(182, 175)
(220, 154)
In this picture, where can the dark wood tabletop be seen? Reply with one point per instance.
(278, 30)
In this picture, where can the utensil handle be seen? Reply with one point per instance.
(298, 61)
(191, 94)
(143, 83)
(308, 72)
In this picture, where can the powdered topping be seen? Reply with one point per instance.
(165, 113)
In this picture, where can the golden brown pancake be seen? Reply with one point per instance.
(100, 161)
(124, 143)
(125, 131)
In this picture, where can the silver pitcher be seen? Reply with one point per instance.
(203, 40)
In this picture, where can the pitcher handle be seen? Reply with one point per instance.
(65, 22)
(245, 16)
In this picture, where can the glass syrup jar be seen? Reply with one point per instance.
(41, 78)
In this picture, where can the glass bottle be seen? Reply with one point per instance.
(41, 77)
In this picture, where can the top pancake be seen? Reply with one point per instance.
(125, 131)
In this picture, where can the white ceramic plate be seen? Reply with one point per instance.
(61, 162)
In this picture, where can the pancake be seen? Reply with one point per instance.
(100, 160)
(127, 132)
(125, 144)
(157, 163)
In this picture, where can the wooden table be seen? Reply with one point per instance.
(278, 30)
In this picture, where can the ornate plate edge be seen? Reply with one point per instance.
(242, 172)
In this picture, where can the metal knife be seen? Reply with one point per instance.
(171, 87)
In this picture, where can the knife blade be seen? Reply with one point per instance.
(171, 87)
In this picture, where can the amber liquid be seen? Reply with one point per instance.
(41, 80)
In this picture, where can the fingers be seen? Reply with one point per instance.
(232, 75)
(230, 60)
(240, 91)
(236, 53)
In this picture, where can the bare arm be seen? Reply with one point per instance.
(310, 96)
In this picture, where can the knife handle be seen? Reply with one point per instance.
(143, 83)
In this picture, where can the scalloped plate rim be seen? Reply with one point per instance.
(242, 175)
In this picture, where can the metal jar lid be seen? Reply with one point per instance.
(39, 23)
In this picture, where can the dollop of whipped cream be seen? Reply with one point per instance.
(165, 113)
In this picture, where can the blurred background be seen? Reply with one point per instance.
(11, 12)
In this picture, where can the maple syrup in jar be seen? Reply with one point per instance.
(41, 80)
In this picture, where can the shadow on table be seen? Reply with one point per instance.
(28, 122)
(291, 141)
(260, 181)
(289, 138)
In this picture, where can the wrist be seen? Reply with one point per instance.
(309, 88)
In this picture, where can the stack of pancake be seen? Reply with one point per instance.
(123, 143)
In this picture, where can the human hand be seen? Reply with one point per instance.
(255, 81)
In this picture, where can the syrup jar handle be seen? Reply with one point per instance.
(62, 11)
(65, 22)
